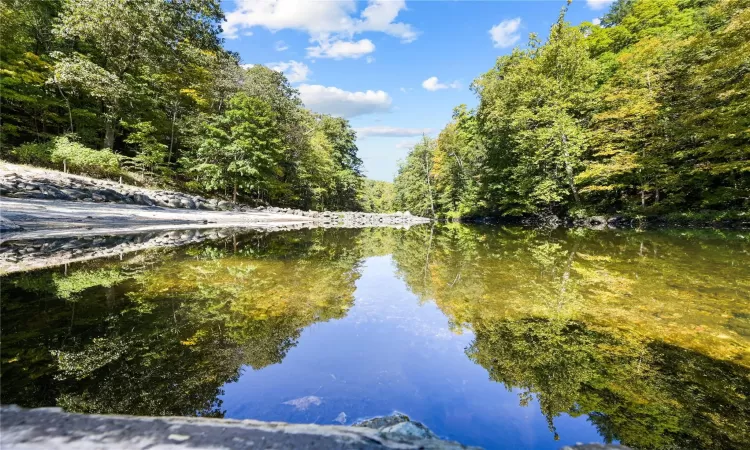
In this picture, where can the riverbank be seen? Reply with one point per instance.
(36, 201)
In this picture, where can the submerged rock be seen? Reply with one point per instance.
(303, 403)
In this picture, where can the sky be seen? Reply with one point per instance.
(394, 68)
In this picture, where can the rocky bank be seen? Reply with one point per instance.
(28, 184)
(32, 183)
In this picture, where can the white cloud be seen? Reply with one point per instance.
(391, 131)
(320, 19)
(338, 102)
(433, 84)
(405, 90)
(246, 66)
(596, 21)
(370, 60)
(598, 4)
(296, 72)
(280, 46)
(341, 49)
(505, 34)
(380, 15)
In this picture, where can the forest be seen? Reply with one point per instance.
(646, 113)
(145, 90)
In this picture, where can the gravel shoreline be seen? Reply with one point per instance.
(38, 202)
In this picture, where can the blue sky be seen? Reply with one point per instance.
(394, 68)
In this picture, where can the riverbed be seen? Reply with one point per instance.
(499, 337)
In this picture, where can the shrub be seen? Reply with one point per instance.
(33, 153)
(81, 159)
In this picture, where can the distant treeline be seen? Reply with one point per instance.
(145, 89)
(647, 113)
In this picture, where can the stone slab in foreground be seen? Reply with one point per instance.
(50, 428)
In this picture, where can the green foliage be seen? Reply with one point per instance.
(241, 148)
(151, 156)
(80, 159)
(33, 153)
(414, 183)
(378, 197)
(150, 81)
(644, 115)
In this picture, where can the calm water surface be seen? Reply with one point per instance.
(497, 337)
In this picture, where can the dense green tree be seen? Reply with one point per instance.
(150, 80)
(377, 197)
(239, 149)
(535, 107)
(414, 183)
(644, 114)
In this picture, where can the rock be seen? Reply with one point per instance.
(45, 428)
(383, 421)
(74, 193)
(6, 225)
(303, 403)
(410, 430)
(188, 203)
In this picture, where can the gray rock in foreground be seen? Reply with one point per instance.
(47, 428)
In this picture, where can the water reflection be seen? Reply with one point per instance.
(645, 337)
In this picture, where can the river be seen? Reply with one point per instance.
(498, 337)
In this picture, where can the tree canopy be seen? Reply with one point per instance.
(645, 113)
(150, 83)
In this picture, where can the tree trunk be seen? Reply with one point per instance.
(569, 171)
(109, 135)
(67, 103)
(234, 193)
(171, 137)
(571, 182)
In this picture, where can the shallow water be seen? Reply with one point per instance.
(497, 337)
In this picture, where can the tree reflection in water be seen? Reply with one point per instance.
(646, 333)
